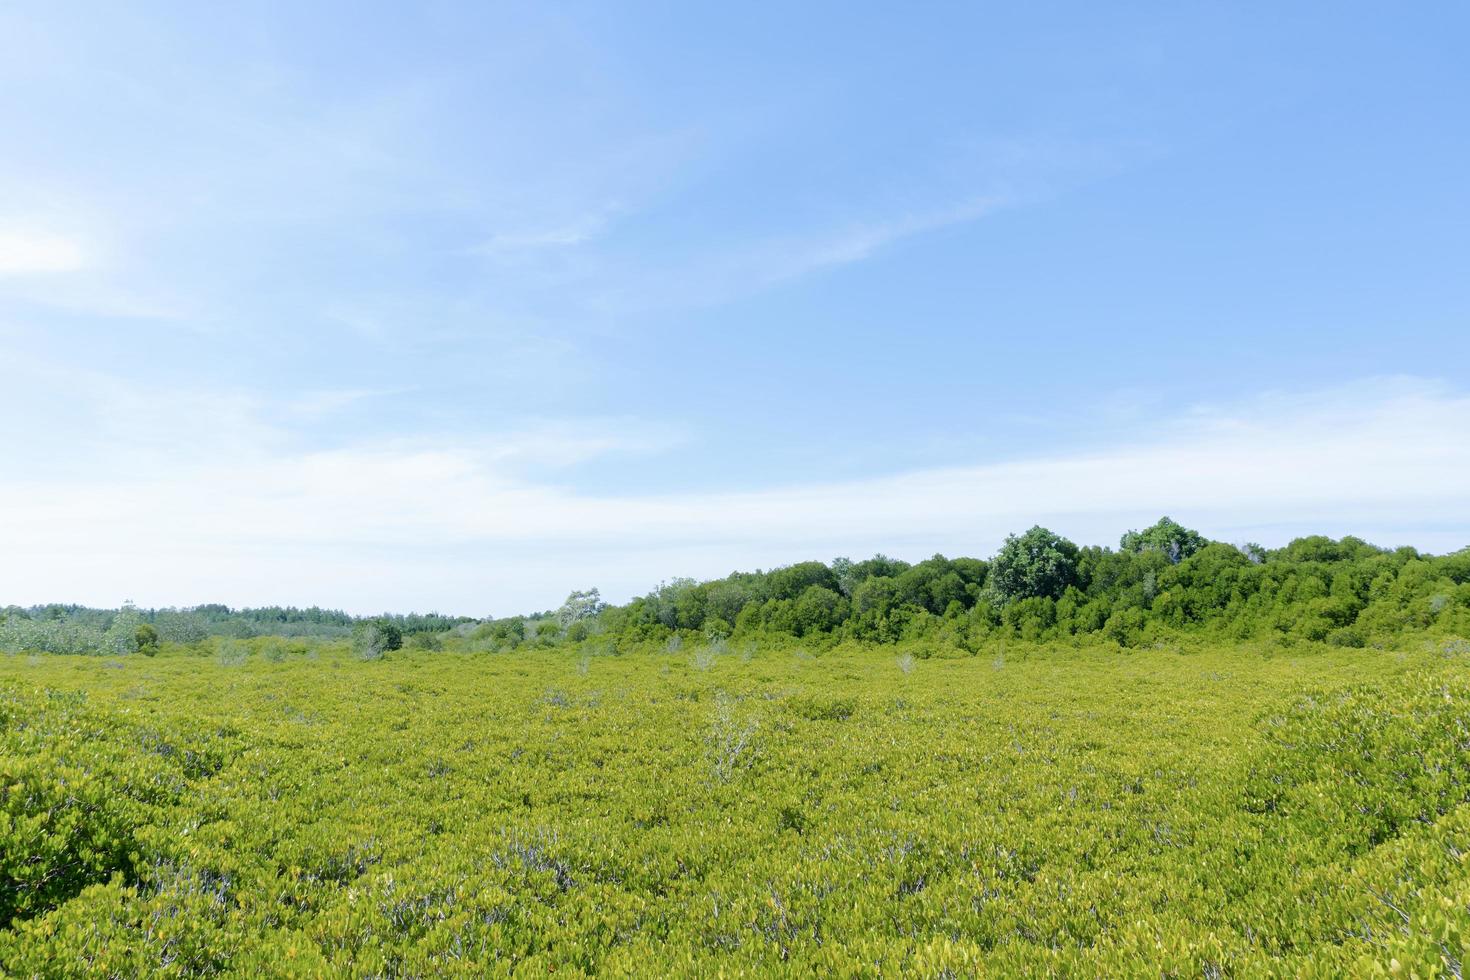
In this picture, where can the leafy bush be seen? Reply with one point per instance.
(76, 786)
(1353, 768)
(145, 639)
(374, 638)
(814, 708)
(231, 653)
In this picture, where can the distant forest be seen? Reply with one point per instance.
(1164, 580)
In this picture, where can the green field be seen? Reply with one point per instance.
(1186, 810)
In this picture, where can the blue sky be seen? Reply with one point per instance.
(463, 306)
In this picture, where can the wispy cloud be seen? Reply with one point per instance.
(474, 524)
(317, 404)
(31, 253)
(859, 242)
(566, 233)
(721, 274)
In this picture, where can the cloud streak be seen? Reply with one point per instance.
(568, 233)
(741, 268)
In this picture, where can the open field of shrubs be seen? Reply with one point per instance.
(1191, 809)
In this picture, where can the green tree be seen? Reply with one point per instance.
(579, 606)
(725, 599)
(818, 610)
(666, 602)
(1035, 564)
(793, 580)
(122, 635)
(1168, 537)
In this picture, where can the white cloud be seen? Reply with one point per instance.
(31, 253)
(464, 525)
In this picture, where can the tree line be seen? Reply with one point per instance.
(1041, 586)
(67, 628)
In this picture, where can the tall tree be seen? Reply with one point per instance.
(1039, 563)
(1172, 539)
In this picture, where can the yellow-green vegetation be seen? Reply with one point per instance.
(1185, 810)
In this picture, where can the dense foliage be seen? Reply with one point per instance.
(1163, 581)
(293, 810)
